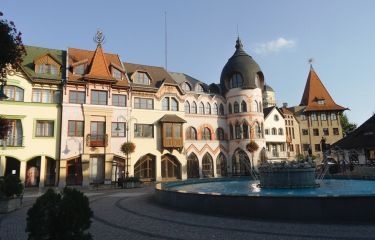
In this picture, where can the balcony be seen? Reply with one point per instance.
(97, 140)
(12, 141)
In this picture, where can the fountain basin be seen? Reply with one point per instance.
(287, 177)
(335, 200)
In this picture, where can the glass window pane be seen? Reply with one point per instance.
(37, 95)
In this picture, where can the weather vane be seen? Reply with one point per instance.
(99, 37)
(311, 60)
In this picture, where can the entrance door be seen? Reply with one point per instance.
(192, 166)
(97, 168)
(74, 172)
(170, 167)
(12, 167)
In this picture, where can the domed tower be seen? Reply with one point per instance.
(242, 82)
(269, 96)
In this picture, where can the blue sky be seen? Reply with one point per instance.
(280, 35)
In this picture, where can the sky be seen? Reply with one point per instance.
(280, 35)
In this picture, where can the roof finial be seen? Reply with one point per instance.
(239, 43)
(99, 37)
(311, 60)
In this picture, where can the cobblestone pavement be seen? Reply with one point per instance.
(133, 214)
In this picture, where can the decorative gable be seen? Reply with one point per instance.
(47, 64)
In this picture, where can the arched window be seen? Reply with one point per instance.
(260, 107)
(201, 108)
(231, 131)
(187, 107)
(237, 130)
(258, 130)
(230, 108)
(207, 166)
(276, 117)
(192, 166)
(186, 86)
(243, 106)
(165, 104)
(281, 132)
(200, 88)
(174, 104)
(221, 165)
(273, 131)
(219, 134)
(170, 167)
(208, 108)
(13, 93)
(221, 109)
(257, 80)
(144, 168)
(236, 81)
(214, 109)
(206, 134)
(245, 130)
(191, 133)
(194, 108)
(236, 107)
(255, 106)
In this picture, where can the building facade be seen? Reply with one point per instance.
(292, 131)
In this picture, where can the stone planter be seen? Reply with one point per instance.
(10, 204)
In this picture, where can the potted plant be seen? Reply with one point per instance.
(11, 190)
(127, 148)
(132, 182)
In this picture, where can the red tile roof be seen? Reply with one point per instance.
(314, 91)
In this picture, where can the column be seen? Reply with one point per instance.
(158, 168)
(108, 168)
(62, 173)
(42, 174)
(85, 170)
(23, 171)
(2, 165)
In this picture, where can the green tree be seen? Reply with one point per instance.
(347, 126)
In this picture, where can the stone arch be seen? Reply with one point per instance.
(201, 131)
(145, 167)
(170, 167)
(12, 166)
(221, 165)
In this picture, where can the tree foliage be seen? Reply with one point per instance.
(60, 216)
(347, 126)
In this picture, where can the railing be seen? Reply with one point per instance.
(97, 140)
(12, 141)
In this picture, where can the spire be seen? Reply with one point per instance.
(239, 43)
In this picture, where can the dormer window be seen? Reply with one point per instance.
(47, 68)
(320, 101)
(200, 88)
(80, 69)
(141, 78)
(116, 73)
(186, 87)
(236, 81)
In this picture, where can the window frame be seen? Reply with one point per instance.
(142, 126)
(44, 123)
(115, 133)
(146, 103)
(16, 90)
(77, 96)
(99, 101)
(76, 133)
(117, 103)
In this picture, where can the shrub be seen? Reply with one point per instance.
(10, 186)
(60, 216)
(128, 147)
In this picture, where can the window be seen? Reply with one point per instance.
(13, 93)
(187, 107)
(291, 147)
(219, 134)
(255, 106)
(336, 131)
(333, 116)
(231, 131)
(214, 110)
(119, 100)
(316, 132)
(281, 132)
(200, 88)
(75, 128)
(97, 134)
(206, 134)
(201, 108)
(236, 107)
(230, 108)
(191, 133)
(185, 86)
(245, 130)
(320, 101)
(118, 129)
(317, 147)
(313, 117)
(305, 132)
(141, 78)
(237, 130)
(144, 130)
(236, 81)
(325, 131)
(282, 147)
(46, 95)
(116, 73)
(76, 97)
(165, 104)
(143, 103)
(306, 147)
(258, 130)
(44, 128)
(273, 131)
(80, 69)
(303, 117)
(194, 108)
(323, 117)
(208, 108)
(276, 117)
(174, 104)
(293, 133)
(99, 97)
(47, 68)
(221, 109)
(267, 131)
(243, 106)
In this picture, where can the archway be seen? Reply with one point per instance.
(74, 171)
(144, 168)
(192, 166)
(118, 168)
(239, 162)
(12, 166)
(33, 172)
(221, 165)
(207, 166)
(170, 167)
(50, 175)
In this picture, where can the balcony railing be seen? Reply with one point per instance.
(97, 140)
(12, 141)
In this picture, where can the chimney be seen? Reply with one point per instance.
(285, 105)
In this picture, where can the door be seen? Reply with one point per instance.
(74, 172)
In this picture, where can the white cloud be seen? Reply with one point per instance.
(275, 45)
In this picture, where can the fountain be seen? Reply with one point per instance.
(284, 191)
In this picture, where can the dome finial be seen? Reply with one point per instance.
(238, 43)
(311, 60)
